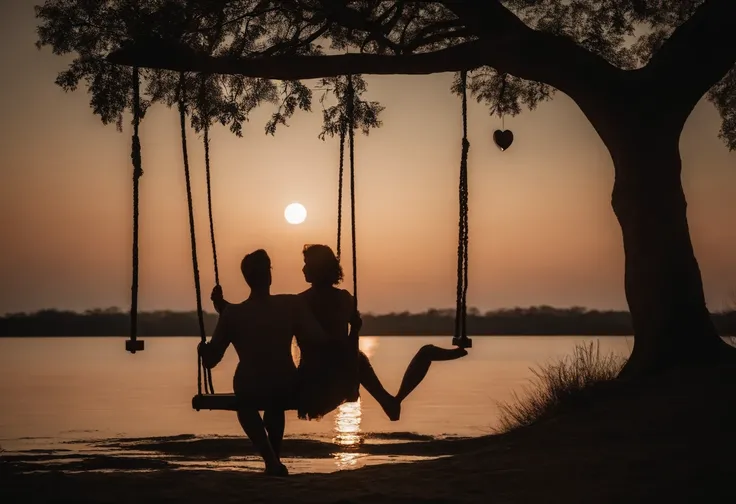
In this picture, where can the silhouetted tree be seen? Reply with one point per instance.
(636, 68)
(537, 321)
(92, 29)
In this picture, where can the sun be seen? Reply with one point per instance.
(295, 213)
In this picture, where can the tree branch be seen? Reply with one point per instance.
(252, 14)
(435, 38)
(537, 56)
(181, 58)
(698, 54)
(505, 43)
(294, 43)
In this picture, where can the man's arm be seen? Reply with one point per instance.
(213, 352)
(218, 300)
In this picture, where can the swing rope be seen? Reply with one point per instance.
(206, 141)
(209, 197)
(201, 369)
(346, 129)
(350, 112)
(351, 146)
(135, 155)
(461, 336)
(205, 111)
(339, 190)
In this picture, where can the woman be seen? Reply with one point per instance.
(327, 374)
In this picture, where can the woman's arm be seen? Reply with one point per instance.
(356, 322)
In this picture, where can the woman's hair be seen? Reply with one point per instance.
(322, 266)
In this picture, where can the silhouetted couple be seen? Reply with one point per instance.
(325, 322)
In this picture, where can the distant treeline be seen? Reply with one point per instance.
(538, 320)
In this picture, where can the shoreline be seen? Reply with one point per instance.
(671, 438)
(305, 454)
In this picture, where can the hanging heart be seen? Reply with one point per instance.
(503, 139)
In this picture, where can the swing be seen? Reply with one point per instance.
(229, 401)
(209, 400)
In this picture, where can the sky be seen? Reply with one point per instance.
(541, 226)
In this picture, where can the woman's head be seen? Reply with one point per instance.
(321, 266)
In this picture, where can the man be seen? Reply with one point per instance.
(261, 330)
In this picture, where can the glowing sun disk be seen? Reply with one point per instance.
(295, 213)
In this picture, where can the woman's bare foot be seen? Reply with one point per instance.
(434, 353)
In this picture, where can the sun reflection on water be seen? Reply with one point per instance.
(348, 436)
(347, 424)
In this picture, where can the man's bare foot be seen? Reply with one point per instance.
(278, 470)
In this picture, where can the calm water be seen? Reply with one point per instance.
(68, 393)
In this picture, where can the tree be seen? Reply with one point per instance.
(636, 69)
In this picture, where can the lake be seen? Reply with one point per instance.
(71, 395)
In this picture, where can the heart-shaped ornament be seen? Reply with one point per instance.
(503, 139)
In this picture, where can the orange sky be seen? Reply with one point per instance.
(541, 227)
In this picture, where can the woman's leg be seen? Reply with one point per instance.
(413, 376)
(373, 385)
(252, 424)
(419, 365)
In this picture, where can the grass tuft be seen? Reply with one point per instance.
(568, 383)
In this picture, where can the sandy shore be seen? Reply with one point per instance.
(672, 439)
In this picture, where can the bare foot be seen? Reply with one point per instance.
(278, 470)
(434, 353)
(392, 407)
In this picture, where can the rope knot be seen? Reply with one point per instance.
(135, 156)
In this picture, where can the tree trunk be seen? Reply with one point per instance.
(663, 285)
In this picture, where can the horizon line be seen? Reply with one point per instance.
(471, 311)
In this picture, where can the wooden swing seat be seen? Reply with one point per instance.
(229, 402)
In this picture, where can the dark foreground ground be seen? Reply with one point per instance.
(671, 440)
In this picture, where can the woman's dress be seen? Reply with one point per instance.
(328, 373)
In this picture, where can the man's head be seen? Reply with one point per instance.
(256, 269)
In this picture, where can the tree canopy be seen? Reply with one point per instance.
(517, 52)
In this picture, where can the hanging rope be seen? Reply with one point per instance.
(206, 117)
(346, 128)
(351, 146)
(201, 369)
(135, 155)
(501, 94)
(350, 126)
(339, 191)
(209, 200)
(206, 141)
(461, 336)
